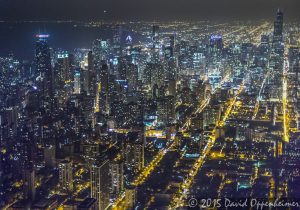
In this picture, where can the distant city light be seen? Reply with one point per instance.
(42, 35)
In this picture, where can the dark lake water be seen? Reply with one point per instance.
(18, 38)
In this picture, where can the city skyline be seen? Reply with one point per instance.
(148, 115)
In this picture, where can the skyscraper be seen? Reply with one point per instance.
(278, 36)
(77, 83)
(132, 77)
(155, 41)
(117, 176)
(43, 64)
(64, 64)
(29, 183)
(100, 183)
(166, 109)
(278, 27)
(66, 175)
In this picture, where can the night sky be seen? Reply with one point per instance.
(146, 9)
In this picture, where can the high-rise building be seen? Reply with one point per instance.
(43, 64)
(91, 75)
(49, 156)
(117, 45)
(63, 67)
(117, 176)
(278, 27)
(133, 151)
(215, 47)
(104, 82)
(156, 44)
(278, 36)
(66, 175)
(132, 77)
(166, 109)
(172, 41)
(100, 183)
(153, 74)
(211, 116)
(155, 36)
(77, 83)
(29, 184)
(100, 51)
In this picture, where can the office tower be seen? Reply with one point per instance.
(63, 68)
(29, 183)
(139, 153)
(166, 110)
(103, 80)
(264, 49)
(122, 69)
(277, 58)
(49, 156)
(100, 183)
(199, 63)
(117, 176)
(131, 113)
(155, 44)
(278, 36)
(133, 151)
(84, 79)
(215, 46)
(77, 83)
(171, 70)
(117, 44)
(72, 65)
(247, 51)
(278, 27)
(211, 116)
(173, 41)
(28, 144)
(100, 51)
(91, 75)
(66, 175)
(155, 36)
(132, 77)
(172, 87)
(8, 119)
(87, 106)
(153, 74)
(43, 65)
